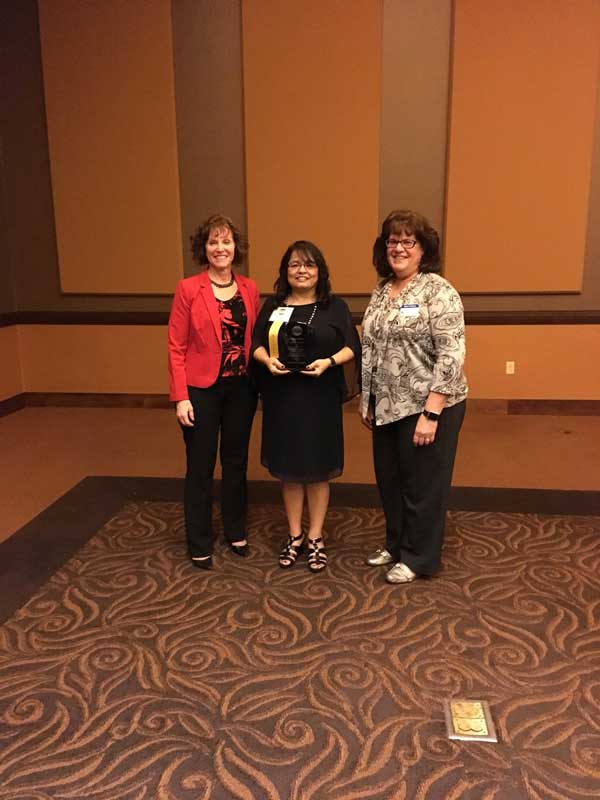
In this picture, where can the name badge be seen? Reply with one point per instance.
(410, 310)
(281, 314)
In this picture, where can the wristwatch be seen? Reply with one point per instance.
(430, 415)
(332, 361)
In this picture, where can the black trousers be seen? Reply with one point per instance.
(414, 485)
(226, 408)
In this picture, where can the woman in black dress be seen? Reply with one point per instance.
(302, 432)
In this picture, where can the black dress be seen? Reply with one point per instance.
(302, 431)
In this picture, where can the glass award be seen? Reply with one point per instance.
(295, 340)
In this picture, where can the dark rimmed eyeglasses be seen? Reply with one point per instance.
(407, 244)
(295, 265)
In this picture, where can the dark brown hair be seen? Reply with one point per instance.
(307, 250)
(412, 224)
(201, 236)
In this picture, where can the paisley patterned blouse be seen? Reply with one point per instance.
(413, 344)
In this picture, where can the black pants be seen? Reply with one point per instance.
(227, 407)
(414, 485)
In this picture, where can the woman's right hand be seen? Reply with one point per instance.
(275, 366)
(185, 413)
(368, 420)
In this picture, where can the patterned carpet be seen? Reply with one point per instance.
(133, 676)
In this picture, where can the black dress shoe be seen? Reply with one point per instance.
(240, 549)
(202, 563)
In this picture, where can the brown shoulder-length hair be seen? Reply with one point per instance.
(412, 224)
(199, 239)
(307, 250)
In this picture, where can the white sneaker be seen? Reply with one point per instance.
(400, 573)
(379, 558)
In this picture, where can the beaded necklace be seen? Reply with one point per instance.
(222, 285)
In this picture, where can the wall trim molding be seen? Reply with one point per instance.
(564, 408)
(585, 317)
(8, 318)
(82, 400)
(84, 318)
(581, 317)
(12, 404)
(568, 408)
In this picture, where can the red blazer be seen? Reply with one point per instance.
(195, 332)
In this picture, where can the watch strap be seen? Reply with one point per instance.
(431, 415)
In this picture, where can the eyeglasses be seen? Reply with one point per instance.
(407, 244)
(295, 265)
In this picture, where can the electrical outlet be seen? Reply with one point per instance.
(510, 367)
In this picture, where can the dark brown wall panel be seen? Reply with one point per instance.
(28, 218)
(414, 100)
(207, 51)
(8, 302)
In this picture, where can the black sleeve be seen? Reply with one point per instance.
(348, 373)
(258, 335)
(343, 321)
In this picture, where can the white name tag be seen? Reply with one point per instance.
(410, 310)
(281, 314)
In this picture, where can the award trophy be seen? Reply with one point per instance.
(295, 345)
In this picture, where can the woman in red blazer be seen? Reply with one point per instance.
(210, 334)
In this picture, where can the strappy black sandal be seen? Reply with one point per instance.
(317, 557)
(291, 550)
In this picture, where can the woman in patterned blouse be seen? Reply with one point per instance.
(413, 392)
(210, 332)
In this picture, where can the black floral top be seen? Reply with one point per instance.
(232, 314)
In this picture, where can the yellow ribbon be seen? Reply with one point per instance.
(274, 338)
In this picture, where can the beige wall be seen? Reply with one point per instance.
(551, 361)
(312, 103)
(110, 105)
(86, 358)
(11, 382)
(555, 362)
(522, 116)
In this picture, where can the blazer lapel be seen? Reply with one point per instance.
(210, 302)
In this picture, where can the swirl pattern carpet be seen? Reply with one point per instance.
(133, 676)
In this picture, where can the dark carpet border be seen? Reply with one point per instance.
(32, 554)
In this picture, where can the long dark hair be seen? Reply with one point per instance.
(307, 250)
(219, 221)
(412, 224)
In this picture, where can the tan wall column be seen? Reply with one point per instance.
(108, 79)
(522, 122)
(312, 105)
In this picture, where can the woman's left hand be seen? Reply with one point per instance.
(317, 367)
(425, 431)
